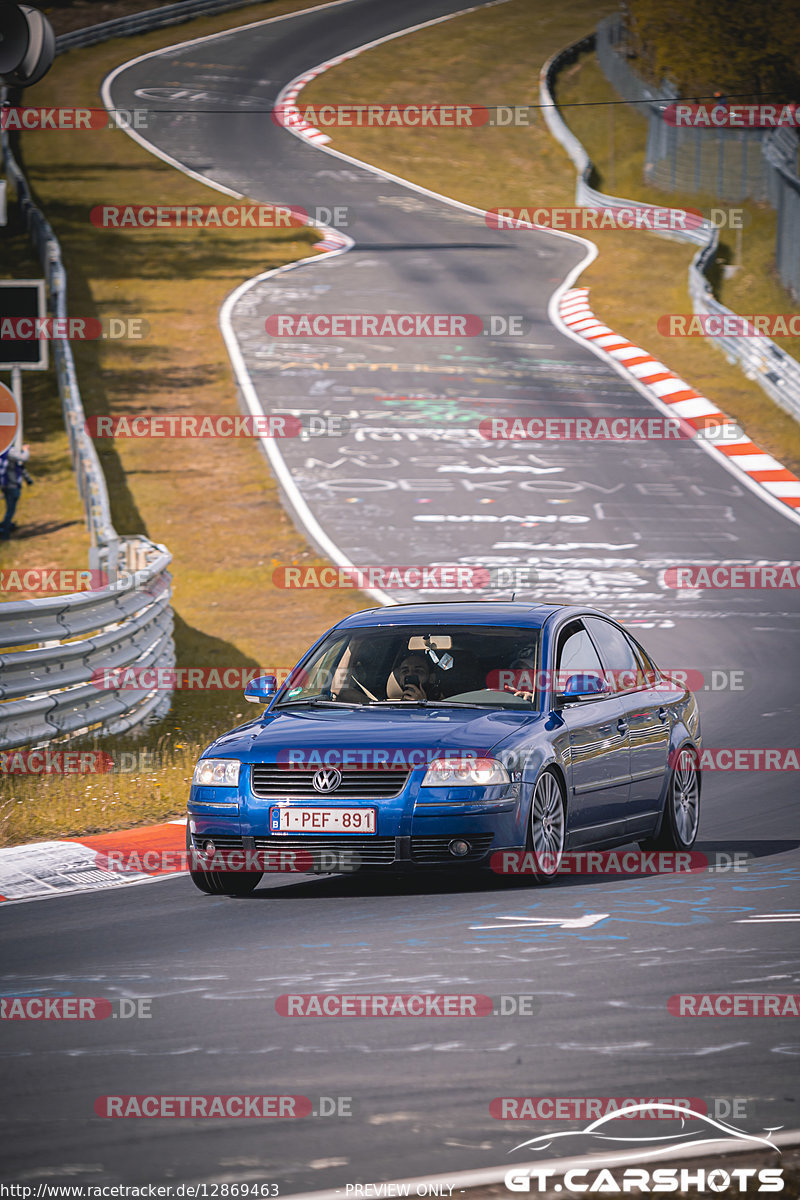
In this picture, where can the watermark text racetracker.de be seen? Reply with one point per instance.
(585, 219)
(735, 1004)
(261, 1107)
(413, 1004)
(403, 116)
(72, 119)
(219, 425)
(75, 329)
(47, 761)
(546, 428)
(625, 862)
(74, 1008)
(733, 576)
(395, 325)
(455, 577)
(183, 679)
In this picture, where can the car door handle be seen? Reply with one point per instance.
(663, 713)
(622, 725)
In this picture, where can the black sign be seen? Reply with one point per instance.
(21, 308)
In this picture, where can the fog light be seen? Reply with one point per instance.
(459, 848)
(209, 848)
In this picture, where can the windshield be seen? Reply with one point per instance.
(483, 666)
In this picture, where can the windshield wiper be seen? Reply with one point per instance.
(427, 704)
(321, 700)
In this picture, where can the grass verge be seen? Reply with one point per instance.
(213, 503)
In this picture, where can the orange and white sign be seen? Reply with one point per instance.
(9, 418)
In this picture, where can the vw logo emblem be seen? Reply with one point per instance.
(326, 779)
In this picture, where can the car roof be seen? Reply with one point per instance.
(463, 612)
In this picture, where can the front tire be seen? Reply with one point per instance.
(681, 819)
(547, 827)
(226, 883)
(221, 883)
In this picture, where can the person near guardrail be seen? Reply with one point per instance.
(12, 473)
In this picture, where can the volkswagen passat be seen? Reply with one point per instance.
(433, 735)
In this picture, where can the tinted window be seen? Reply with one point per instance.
(575, 654)
(621, 665)
(488, 665)
(651, 672)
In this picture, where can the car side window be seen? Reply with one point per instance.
(622, 668)
(575, 654)
(650, 672)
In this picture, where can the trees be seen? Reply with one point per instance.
(742, 48)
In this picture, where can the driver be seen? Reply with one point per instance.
(525, 663)
(414, 676)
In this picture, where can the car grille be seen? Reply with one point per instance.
(368, 852)
(269, 780)
(435, 849)
(222, 841)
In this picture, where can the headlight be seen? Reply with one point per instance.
(461, 772)
(218, 772)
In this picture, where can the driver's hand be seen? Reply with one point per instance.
(524, 695)
(412, 691)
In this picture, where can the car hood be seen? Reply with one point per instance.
(467, 730)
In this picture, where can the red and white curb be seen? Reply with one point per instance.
(287, 113)
(58, 868)
(671, 393)
(332, 241)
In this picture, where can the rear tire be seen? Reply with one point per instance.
(681, 819)
(547, 827)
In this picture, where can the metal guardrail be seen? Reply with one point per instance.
(154, 18)
(760, 359)
(51, 649)
(91, 482)
(54, 651)
(729, 163)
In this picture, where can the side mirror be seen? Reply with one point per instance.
(261, 689)
(588, 683)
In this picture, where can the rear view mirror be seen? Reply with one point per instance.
(261, 689)
(588, 683)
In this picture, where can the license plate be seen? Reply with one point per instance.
(322, 820)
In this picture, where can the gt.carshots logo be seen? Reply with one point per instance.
(365, 325)
(639, 1179)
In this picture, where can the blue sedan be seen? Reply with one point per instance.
(444, 734)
